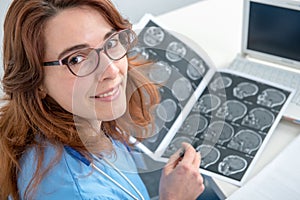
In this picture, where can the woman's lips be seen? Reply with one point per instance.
(109, 95)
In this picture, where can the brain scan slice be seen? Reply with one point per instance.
(209, 154)
(245, 141)
(220, 82)
(153, 36)
(207, 103)
(193, 124)
(176, 144)
(175, 51)
(258, 118)
(166, 110)
(182, 88)
(139, 53)
(245, 89)
(160, 72)
(218, 132)
(271, 98)
(232, 110)
(232, 164)
(195, 69)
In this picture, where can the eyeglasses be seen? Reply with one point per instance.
(85, 61)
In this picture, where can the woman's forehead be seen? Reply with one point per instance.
(75, 26)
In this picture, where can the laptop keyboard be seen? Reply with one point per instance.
(280, 76)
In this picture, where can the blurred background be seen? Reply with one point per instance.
(135, 9)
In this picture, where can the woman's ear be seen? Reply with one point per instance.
(42, 92)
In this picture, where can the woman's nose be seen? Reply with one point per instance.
(107, 69)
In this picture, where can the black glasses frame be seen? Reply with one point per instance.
(64, 61)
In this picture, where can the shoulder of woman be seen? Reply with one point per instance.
(56, 183)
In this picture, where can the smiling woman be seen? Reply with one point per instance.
(72, 99)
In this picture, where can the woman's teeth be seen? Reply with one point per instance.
(111, 93)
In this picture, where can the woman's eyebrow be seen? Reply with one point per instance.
(108, 34)
(71, 49)
(82, 46)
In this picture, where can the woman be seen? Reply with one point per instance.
(72, 99)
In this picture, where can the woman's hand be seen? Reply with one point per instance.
(180, 177)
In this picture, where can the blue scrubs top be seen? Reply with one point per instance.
(71, 179)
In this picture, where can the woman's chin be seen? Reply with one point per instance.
(115, 114)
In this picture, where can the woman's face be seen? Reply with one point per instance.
(99, 96)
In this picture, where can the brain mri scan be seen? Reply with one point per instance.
(182, 88)
(220, 82)
(209, 154)
(245, 89)
(218, 132)
(271, 98)
(176, 144)
(232, 164)
(175, 51)
(232, 110)
(160, 72)
(258, 118)
(195, 69)
(193, 124)
(140, 53)
(153, 36)
(166, 110)
(207, 103)
(245, 141)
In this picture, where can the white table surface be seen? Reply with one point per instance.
(216, 26)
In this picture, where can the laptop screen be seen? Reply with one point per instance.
(274, 30)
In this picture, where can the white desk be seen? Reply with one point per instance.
(216, 26)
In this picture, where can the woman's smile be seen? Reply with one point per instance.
(109, 95)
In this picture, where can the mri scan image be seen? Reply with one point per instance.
(271, 98)
(220, 82)
(182, 88)
(232, 164)
(166, 110)
(160, 72)
(209, 154)
(245, 141)
(259, 118)
(245, 89)
(140, 52)
(193, 124)
(175, 51)
(232, 110)
(218, 132)
(153, 36)
(207, 103)
(195, 69)
(176, 144)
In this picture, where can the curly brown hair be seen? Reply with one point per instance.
(26, 114)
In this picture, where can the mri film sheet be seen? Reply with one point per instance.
(176, 69)
(230, 124)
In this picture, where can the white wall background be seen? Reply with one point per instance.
(135, 9)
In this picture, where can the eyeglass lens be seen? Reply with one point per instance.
(86, 61)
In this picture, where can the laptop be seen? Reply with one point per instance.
(271, 46)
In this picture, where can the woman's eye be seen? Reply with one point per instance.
(112, 43)
(74, 60)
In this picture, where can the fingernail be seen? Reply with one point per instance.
(181, 154)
